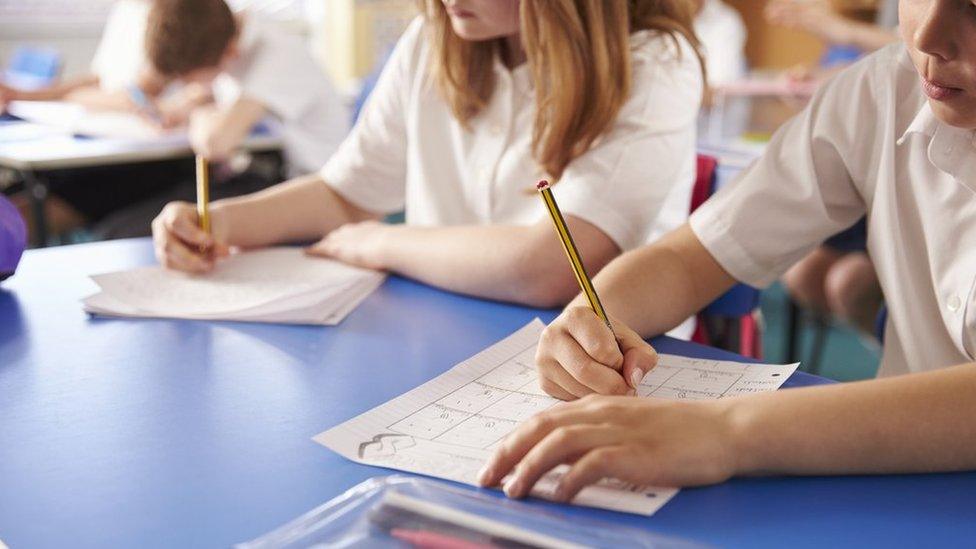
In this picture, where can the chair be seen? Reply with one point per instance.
(32, 67)
(729, 322)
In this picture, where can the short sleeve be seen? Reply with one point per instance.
(121, 54)
(801, 191)
(280, 73)
(370, 167)
(624, 182)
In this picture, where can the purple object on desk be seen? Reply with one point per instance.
(13, 238)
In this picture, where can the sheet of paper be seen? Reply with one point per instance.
(81, 121)
(12, 132)
(448, 427)
(280, 285)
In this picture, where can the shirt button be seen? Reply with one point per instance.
(954, 303)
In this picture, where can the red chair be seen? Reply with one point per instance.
(730, 321)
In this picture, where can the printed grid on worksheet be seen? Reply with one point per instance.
(481, 413)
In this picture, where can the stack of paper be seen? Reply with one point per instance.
(279, 285)
(76, 119)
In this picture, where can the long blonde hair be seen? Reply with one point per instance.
(579, 56)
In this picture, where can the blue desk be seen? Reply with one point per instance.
(119, 433)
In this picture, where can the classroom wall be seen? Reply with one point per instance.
(351, 36)
(76, 44)
(771, 47)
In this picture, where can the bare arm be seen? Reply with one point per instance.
(300, 210)
(93, 96)
(819, 18)
(51, 93)
(508, 263)
(866, 36)
(216, 132)
(655, 288)
(912, 423)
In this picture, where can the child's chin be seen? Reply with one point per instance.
(961, 113)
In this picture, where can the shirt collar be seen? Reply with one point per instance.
(925, 123)
(952, 150)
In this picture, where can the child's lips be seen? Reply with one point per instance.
(939, 91)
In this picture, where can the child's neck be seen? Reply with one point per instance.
(513, 54)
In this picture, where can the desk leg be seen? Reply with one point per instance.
(36, 188)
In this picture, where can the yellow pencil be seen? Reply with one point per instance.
(573, 253)
(203, 192)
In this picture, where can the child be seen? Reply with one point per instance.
(119, 78)
(254, 70)
(13, 238)
(118, 72)
(480, 99)
(892, 138)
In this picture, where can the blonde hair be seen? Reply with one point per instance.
(579, 55)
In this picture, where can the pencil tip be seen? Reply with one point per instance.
(542, 184)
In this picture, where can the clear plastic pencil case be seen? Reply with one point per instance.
(404, 512)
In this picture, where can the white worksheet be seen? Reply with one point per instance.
(281, 285)
(448, 427)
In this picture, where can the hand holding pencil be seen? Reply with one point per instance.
(183, 232)
(584, 351)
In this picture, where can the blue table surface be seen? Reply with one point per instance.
(160, 433)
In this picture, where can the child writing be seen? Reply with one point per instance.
(892, 138)
(254, 71)
(480, 99)
(118, 74)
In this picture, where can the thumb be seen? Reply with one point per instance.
(639, 356)
(322, 248)
(220, 249)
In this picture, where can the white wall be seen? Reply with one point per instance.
(70, 26)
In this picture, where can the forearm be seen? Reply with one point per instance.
(506, 263)
(301, 210)
(908, 424)
(216, 132)
(867, 37)
(95, 98)
(58, 91)
(89, 93)
(655, 288)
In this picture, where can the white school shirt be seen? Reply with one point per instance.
(276, 68)
(408, 151)
(121, 53)
(723, 37)
(867, 143)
